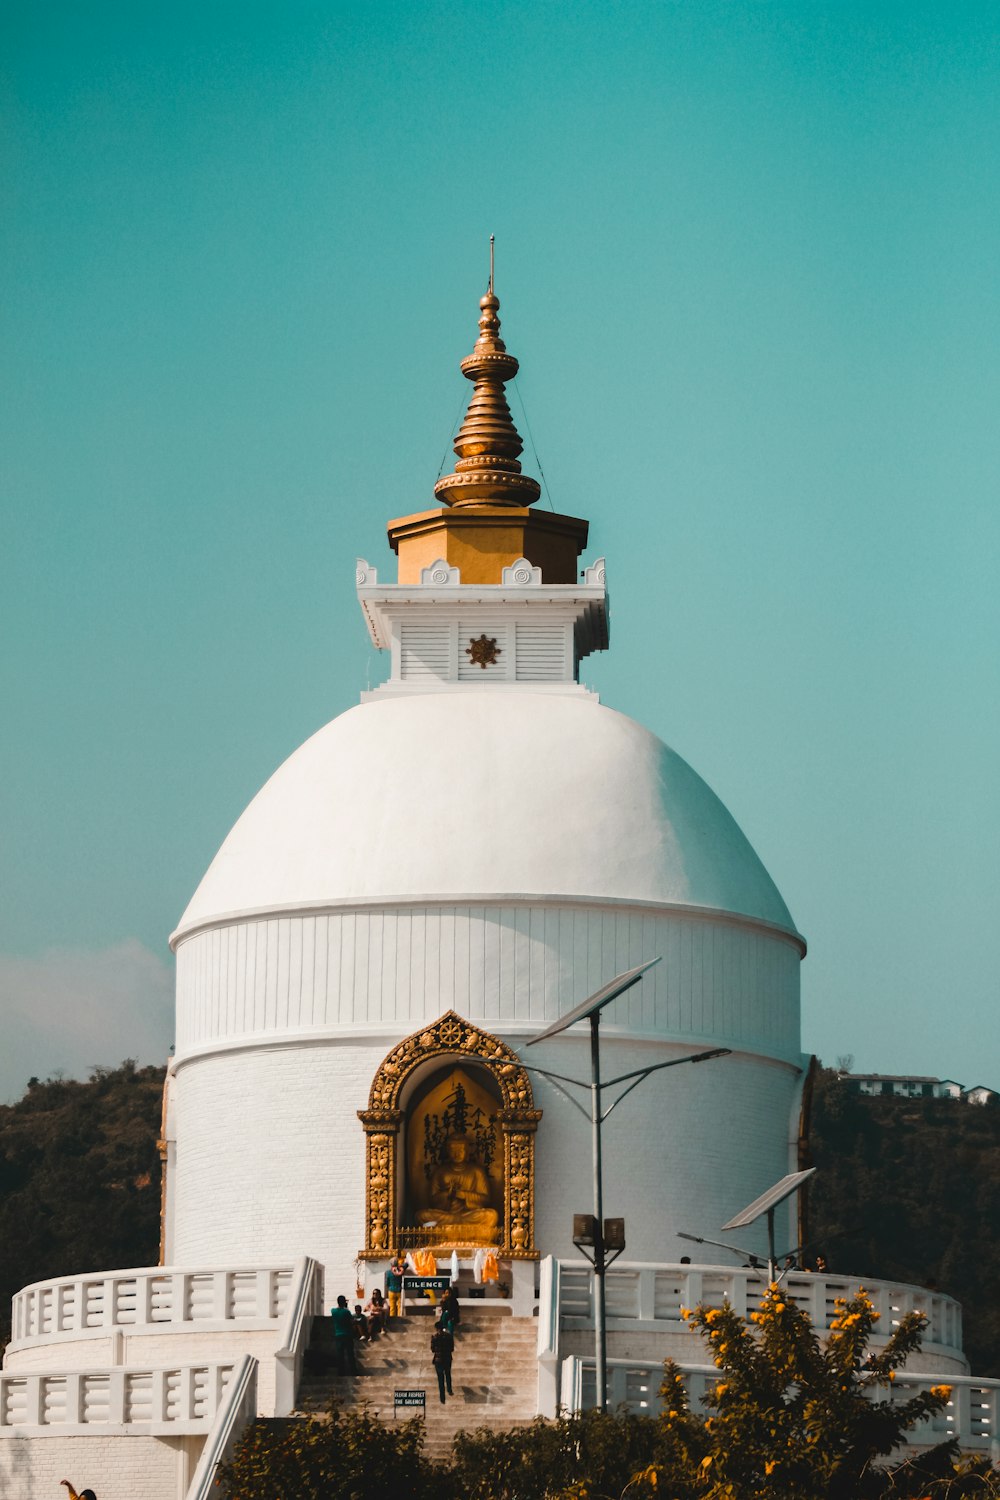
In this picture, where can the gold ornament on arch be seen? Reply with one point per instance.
(456, 1167)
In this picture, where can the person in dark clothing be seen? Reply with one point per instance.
(442, 1349)
(344, 1334)
(362, 1325)
(451, 1313)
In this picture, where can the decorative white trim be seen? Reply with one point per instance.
(365, 576)
(596, 574)
(383, 1032)
(521, 574)
(581, 607)
(440, 575)
(451, 901)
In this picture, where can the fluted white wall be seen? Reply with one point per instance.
(722, 979)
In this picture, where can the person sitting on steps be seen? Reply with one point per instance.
(377, 1314)
(361, 1324)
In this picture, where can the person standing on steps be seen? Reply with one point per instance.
(442, 1349)
(344, 1334)
(450, 1311)
(394, 1284)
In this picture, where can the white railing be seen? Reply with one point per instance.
(179, 1399)
(652, 1296)
(304, 1304)
(235, 1413)
(972, 1416)
(77, 1307)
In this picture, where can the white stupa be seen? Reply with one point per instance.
(423, 887)
(479, 837)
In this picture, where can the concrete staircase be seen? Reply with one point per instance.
(494, 1374)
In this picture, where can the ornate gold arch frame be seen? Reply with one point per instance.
(451, 1036)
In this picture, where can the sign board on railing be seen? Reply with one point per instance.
(426, 1283)
(410, 1398)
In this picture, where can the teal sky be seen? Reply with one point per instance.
(747, 255)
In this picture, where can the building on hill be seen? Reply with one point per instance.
(901, 1086)
(913, 1086)
(423, 887)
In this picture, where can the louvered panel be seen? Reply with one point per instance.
(424, 651)
(541, 653)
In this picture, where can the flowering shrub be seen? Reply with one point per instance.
(791, 1418)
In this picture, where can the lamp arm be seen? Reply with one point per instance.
(674, 1062)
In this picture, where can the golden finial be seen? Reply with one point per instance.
(488, 443)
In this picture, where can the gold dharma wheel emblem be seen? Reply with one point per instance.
(482, 652)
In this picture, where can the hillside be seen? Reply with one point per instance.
(79, 1177)
(909, 1189)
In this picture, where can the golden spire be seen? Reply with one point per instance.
(488, 443)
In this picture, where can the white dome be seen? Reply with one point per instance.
(484, 794)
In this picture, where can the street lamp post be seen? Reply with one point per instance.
(591, 1010)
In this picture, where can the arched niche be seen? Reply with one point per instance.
(413, 1065)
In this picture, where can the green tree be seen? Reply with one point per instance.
(909, 1189)
(344, 1454)
(587, 1456)
(79, 1177)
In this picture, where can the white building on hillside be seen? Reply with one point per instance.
(422, 887)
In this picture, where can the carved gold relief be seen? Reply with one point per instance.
(482, 651)
(451, 1037)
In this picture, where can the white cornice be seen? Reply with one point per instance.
(451, 902)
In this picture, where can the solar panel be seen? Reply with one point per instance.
(599, 998)
(770, 1199)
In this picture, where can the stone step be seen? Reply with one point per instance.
(494, 1374)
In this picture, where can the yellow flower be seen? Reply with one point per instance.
(892, 1374)
(706, 1462)
(722, 1386)
(770, 1466)
(712, 1315)
(942, 1392)
(779, 1307)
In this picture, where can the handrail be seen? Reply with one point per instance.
(305, 1300)
(304, 1303)
(150, 1297)
(653, 1294)
(233, 1415)
(178, 1398)
(549, 1281)
(972, 1416)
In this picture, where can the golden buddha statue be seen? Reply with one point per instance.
(460, 1196)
